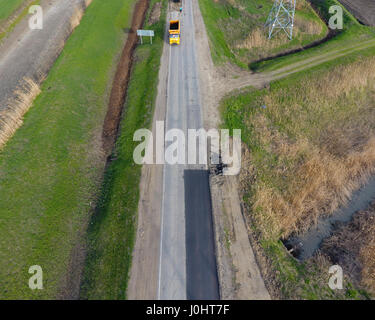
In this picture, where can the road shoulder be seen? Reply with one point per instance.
(144, 274)
(239, 275)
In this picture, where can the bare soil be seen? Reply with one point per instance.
(238, 270)
(121, 79)
(155, 13)
(363, 10)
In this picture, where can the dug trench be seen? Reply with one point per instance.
(121, 80)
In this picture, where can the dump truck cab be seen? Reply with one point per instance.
(174, 32)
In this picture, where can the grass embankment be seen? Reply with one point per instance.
(311, 139)
(7, 7)
(113, 227)
(51, 169)
(352, 34)
(237, 34)
(8, 16)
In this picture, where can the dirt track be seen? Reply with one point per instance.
(363, 10)
(30, 53)
(26, 57)
(120, 82)
(5, 24)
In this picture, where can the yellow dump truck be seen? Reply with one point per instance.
(174, 32)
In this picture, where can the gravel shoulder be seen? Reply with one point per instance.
(144, 274)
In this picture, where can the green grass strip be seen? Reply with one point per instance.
(7, 7)
(113, 227)
(50, 170)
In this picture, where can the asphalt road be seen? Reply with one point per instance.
(30, 53)
(187, 259)
(201, 271)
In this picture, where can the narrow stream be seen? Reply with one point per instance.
(306, 244)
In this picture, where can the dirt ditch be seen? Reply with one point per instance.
(121, 79)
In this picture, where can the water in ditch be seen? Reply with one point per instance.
(304, 246)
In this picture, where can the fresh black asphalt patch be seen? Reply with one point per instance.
(201, 271)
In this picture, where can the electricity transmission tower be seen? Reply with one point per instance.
(281, 17)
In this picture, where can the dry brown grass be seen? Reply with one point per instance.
(323, 183)
(324, 152)
(306, 26)
(352, 246)
(236, 4)
(15, 109)
(78, 14)
(368, 259)
(155, 13)
(258, 37)
(233, 3)
(300, 5)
